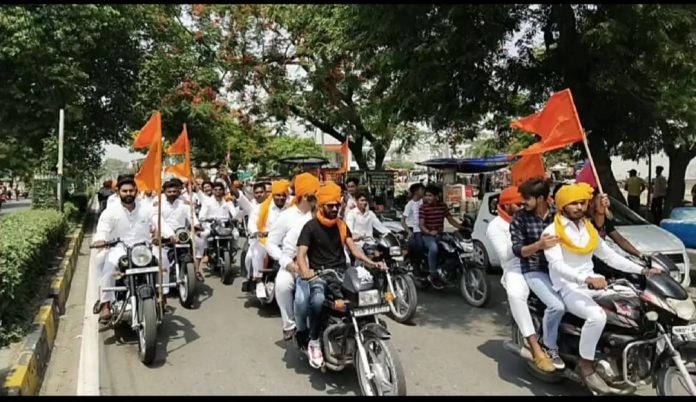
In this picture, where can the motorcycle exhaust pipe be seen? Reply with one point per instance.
(518, 350)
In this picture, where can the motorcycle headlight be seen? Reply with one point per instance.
(183, 236)
(467, 246)
(141, 255)
(368, 298)
(684, 308)
(395, 250)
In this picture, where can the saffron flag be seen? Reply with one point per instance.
(149, 177)
(528, 167)
(181, 146)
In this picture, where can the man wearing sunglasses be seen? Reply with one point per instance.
(321, 244)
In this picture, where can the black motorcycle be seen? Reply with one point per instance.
(387, 248)
(136, 294)
(221, 248)
(649, 337)
(182, 270)
(352, 334)
(456, 265)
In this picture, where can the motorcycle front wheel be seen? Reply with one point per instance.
(147, 333)
(474, 286)
(389, 378)
(187, 289)
(227, 274)
(671, 382)
(403, 308)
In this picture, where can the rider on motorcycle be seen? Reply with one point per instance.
(321, 246)
(282, 246)
(431, 216)
(132, 220)
(528, 244)
(498, 232)
(176, 213)
(410, 222)
(261, 222)
(572, 274)
(362, 222)
(215, 207)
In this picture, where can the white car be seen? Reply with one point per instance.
(646, 237)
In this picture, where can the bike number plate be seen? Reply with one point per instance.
(146, 270)
(688, 331)
(362, 312)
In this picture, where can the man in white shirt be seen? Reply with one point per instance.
(362, 222)
(351, 190)
(498, 232)
(572, 274)
(132, 221)
(282, 246)
(658, 195)
(411, 224)
(249, 208)
(261, 222)
(215, 207)
(176, 212)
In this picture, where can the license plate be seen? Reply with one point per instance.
(146, 270)
(398, 258)
(361, 312)
(684, 330)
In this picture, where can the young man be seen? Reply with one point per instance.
(282, 246)
(528, 245)
(411, 224)
(104, 193)
(177, 213)
(132, 220)
(352, 189)
(634, 186)
(362, 222)
(597, 212)
(216, 207)
(571, 269)
(659, 194)
(321, 246)
(259, 193)
(498, 232)
(261, 222)
(431, 215)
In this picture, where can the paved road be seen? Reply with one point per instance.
(227, 345)
(9, 207)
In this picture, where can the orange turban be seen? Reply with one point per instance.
(305, 183)
(510, 195)
(280, 187)
(329, 192)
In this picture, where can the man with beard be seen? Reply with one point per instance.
(132, 221)
(261, 222)
(215, 207)
(282, 246)
(321, 244)
(572, 274)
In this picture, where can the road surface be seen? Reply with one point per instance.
(9, 207)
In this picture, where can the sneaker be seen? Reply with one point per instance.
(556, 359)
(260, 290)
(316, 358)
(435, 282)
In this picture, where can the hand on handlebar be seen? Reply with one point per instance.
(653, 271)
(596, 282)
(98, 244)
(308, 275)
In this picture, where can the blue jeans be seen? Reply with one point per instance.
(415, 249)
(430, 246)
(309, 301)
(540, 284)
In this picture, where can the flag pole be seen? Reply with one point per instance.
(158, 191)
(585, 143)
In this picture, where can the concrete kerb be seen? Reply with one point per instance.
(26, 375)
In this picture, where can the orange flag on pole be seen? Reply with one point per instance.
(149, 178)
(528, 167)
(151, 131)
(181, 146)
(558, 125)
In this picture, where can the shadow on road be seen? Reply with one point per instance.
(448, 310)
(511, 369)
(203, 293)
(172, 327)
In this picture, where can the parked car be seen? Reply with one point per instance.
(682, 223)
(646, 237)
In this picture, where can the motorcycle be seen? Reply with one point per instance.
(136, 296)
(268, 279)
(221, 248)
(352, 334)
(182, 270)
(649, 335)
(456, 263)
(387, 248)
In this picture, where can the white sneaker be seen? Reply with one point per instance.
(316, 358)
(260, 290)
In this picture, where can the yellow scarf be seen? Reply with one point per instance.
(568, 244)
(263, 217)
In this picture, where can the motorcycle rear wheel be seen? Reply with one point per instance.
(227, 274)
(474, 286)
(408, 299)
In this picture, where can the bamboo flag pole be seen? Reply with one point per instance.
(158, 191)
(191, 208)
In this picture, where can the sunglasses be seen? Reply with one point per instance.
(333, 206)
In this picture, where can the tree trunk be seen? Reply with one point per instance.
(380, 154)
(602, 162)
(678, 162)
(356, 150)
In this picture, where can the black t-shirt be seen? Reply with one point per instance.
(606, 229)
(324, 247)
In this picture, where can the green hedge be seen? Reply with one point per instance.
(28, 241)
